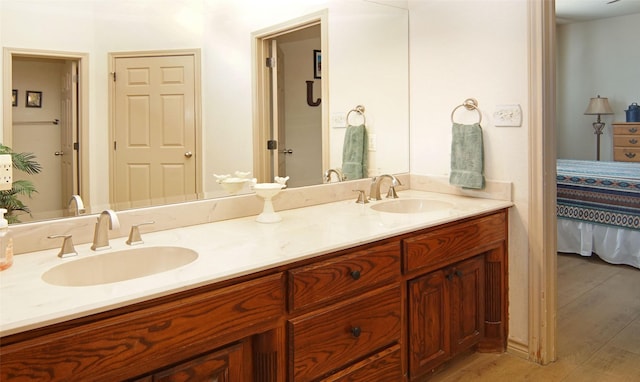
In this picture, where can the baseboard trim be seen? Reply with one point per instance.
(517, 348)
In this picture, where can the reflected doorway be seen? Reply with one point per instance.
(291, 105)
(49, 126)
(155, 128)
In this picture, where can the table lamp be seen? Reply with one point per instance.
(598, 106)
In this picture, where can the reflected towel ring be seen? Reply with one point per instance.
(360, 110)
(469, 104)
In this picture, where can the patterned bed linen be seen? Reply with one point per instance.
(606, 193)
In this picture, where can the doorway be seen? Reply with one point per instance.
(155, 152)
(291, 138)
(47, 119)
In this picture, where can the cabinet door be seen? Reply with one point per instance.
(429, 322)
(467, 302)
(221, 366)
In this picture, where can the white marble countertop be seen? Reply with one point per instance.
(226, 249)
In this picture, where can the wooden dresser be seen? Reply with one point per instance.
(626, 142)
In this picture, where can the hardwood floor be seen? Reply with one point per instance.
(598, 331)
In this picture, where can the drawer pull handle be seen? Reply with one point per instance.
(630, 155)
(458, 273)
(355, 275)
(633, 141)
(356, 331)
(633, 130)
(450, 276)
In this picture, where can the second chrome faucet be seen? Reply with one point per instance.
(107, 220)
(374, 193)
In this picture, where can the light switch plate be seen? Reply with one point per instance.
(373, 142)
(507, 116)
(339, 120)
(6, 172)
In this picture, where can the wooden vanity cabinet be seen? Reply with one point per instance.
(221, 366)
(392, 310)
(346, 316)
(446, 314)
(232, 331)
(457, 291)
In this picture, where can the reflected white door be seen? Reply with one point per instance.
(296, 124)
(69, 132)
(155, 139)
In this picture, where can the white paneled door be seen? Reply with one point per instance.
(154, 130)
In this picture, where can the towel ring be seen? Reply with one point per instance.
(360, 110)
(469, 104)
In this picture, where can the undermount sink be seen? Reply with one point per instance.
(411, 206)
(119, 266)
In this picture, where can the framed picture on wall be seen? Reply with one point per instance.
(14, 97)
(317, 64)
(34, 99)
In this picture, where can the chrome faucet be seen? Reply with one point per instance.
(76, 203)
(107, 220)
(374, 193)
(338, 172)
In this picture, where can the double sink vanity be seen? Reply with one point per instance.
(340, 291)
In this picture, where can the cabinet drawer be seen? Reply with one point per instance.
(626, 154)
(325, 341)
(628, 128)
(445, 246)
(630, 141)
(331, 279)
(140, 341)
(383, 366)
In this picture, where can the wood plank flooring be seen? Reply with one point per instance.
(598, 331)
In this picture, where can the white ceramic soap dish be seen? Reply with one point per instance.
(267, 191)
(235, 183)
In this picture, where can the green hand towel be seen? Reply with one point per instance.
(354, 152)
(467, 156)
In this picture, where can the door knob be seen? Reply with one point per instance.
(188, 154)
(58, 153)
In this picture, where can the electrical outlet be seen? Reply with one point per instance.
(6, 172)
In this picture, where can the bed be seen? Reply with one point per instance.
(598, 209)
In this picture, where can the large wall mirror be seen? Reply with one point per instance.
(364, 52)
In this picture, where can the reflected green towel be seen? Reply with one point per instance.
(354, 152)
(467, 156)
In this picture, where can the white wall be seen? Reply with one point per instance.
(595, 57)
(475, 48)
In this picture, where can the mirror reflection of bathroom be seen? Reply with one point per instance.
(293, 91)
(47, 126)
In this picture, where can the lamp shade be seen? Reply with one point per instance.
(599, 105)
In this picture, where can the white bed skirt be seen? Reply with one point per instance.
(611, 244)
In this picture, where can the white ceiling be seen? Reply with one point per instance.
(568, 11)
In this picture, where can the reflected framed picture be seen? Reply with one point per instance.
(317, 64)
(14, 97)
(34, 99)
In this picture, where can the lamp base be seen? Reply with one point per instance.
(598, 128)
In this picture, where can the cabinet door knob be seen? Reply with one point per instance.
(356, 331)
(458, 273)
(450, 276)
(188, 154)
(355, 275)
